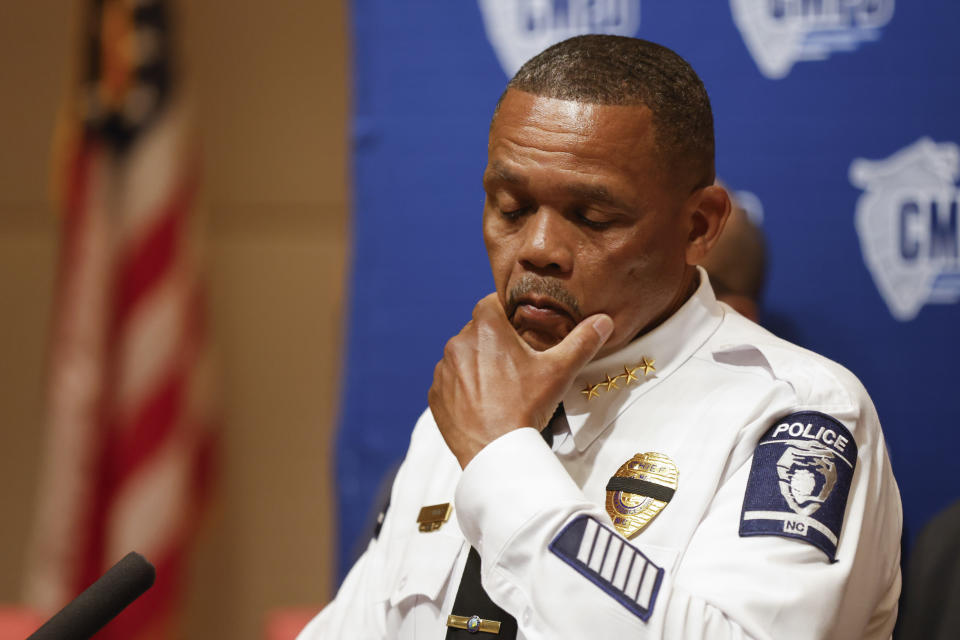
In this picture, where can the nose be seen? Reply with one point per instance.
(547, 247)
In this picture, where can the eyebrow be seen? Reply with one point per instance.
(503, 174)
(595, 193)
(583, 191)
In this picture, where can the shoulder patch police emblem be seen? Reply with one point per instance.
(617, 567)
(639, 490)
(799, 481)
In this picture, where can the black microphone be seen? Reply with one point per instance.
(100, 602)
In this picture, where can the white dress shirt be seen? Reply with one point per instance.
(720, 387)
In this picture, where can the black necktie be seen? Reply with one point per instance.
(472, 600)
(547, 432)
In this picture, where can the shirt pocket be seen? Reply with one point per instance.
(424, 567)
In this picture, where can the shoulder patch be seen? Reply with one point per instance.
(799, 481)
(611, 563)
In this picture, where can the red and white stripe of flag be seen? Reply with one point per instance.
(131, 425)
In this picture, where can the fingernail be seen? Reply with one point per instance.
(603, 325)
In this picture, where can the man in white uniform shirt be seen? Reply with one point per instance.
(610, 452)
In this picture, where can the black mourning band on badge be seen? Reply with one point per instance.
(641, 488)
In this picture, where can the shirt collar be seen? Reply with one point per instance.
(667, 347)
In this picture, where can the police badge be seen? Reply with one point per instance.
(639, 490)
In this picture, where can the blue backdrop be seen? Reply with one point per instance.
(839, 116)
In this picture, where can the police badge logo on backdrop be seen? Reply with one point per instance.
(907, 221)
(799, 481)
(520, 29)
(780, 33)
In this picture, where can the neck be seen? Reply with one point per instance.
(691, 280)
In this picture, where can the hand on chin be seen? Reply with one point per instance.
(496, 376)
(541, 328)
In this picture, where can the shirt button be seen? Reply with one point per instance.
(527, 614)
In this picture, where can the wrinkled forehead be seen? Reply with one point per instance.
(558, 114)
(541, 131)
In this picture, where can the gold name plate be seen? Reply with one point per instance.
(432, 518)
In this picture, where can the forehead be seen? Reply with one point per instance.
(606, 142)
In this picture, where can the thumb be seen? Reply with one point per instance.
(581, 344)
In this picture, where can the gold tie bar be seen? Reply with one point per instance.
(473, 624)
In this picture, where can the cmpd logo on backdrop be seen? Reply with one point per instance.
(779, 33)
(908, 227)
(520, 29)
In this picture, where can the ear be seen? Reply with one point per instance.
(708, 211)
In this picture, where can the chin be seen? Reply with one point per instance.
(540, 341)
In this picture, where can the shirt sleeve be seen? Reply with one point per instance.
(529, 520)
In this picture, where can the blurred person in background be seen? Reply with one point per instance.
(930, 607)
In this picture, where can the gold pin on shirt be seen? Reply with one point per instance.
(432, 517)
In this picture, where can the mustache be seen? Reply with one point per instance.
(547, 287)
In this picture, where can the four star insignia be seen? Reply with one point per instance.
(629, 375)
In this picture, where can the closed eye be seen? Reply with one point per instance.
(516, 213)
(593, 219)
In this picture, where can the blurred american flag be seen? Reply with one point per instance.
(131, 420)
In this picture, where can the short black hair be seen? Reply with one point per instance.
(616, 70)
